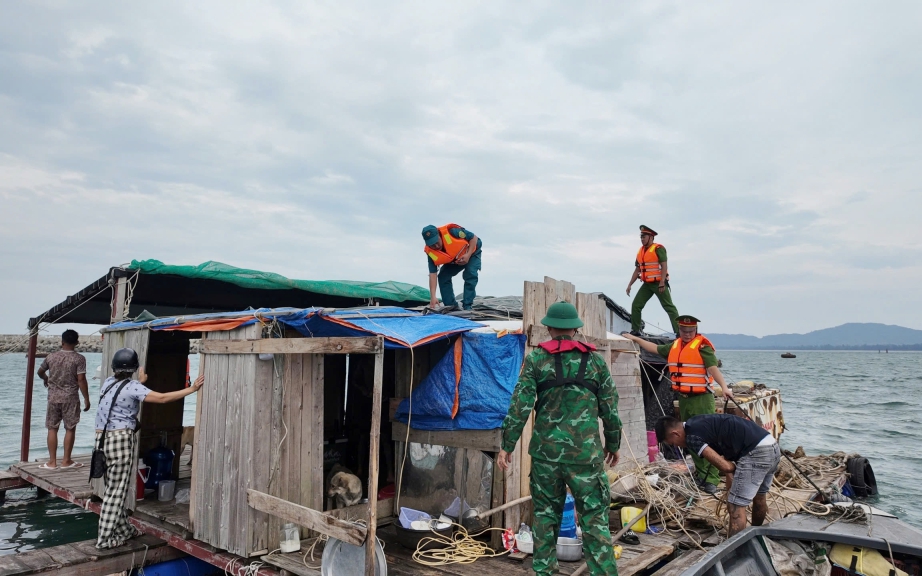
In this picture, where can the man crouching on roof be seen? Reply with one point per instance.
(570, 388)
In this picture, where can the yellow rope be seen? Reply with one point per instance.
(460, 548)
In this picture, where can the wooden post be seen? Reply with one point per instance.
(119, 294)
(373, 445)
(27, 404)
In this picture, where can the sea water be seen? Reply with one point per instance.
(26, 520)
(861, 402)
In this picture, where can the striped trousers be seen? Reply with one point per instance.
(114, 528)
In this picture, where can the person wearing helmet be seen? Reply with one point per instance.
(451, 249)
(571, 389)
(117, 414)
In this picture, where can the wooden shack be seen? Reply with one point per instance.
(266, 418)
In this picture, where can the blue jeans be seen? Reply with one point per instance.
(449, 271)
(754, 474)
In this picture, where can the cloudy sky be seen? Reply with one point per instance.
(775, 146)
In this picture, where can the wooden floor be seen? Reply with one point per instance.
(83, 559)
(652, 550)
(75, 482)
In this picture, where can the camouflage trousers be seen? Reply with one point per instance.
(589, 486)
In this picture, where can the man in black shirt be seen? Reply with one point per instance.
(745, 453)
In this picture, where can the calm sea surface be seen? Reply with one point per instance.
(861, 402)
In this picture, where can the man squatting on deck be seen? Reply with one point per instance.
(744, 452)
(570, 388)
(64, 373)
(116, 427)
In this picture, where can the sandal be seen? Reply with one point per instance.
(45, 466)
(630, 538)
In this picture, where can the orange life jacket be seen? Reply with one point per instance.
(451, 247)
(650, 268)
(686, 366)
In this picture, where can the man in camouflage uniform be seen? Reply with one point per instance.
(566, 449)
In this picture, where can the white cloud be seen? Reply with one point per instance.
(774, 147)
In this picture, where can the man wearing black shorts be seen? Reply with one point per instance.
(744, 452)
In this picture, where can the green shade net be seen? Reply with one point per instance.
(211, 270)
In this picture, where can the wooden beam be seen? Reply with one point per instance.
(304, 516)
(373, 448)
(369, 345)
(484, 440)
(360, 511)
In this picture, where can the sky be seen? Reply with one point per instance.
(774, 146)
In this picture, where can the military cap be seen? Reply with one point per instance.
(647, 230)
(430, 235)
(687, 320)
(562, 315)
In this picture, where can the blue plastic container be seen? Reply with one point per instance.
(568, 523)
(160, 461)
(182, 567)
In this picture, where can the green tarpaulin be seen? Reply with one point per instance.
(394, 291)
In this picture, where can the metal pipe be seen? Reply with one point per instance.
(509, 504)
(27, 403)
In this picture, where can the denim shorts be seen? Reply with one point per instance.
(754, 474)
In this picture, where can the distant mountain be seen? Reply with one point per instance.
(846, 336)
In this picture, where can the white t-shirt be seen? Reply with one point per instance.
(127, 405)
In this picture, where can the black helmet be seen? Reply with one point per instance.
(125, 360)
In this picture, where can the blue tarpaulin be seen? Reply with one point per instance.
(490, 367)
(400, 327)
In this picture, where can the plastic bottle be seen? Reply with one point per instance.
(161, 464)
(568, 522)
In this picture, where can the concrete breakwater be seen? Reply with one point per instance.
(10, 343)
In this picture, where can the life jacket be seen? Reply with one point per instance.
(686, 366)
(556, 348)
(451, 246)
(650, 268)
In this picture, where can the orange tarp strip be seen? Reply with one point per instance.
(457, 352)
(210, 325)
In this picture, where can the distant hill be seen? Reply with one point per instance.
(847, 336)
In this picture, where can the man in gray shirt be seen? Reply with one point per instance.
(64, 374)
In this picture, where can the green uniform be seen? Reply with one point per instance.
(695, 405)
(649, 290)
(567, 451)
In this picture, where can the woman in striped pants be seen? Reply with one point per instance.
(116, 426)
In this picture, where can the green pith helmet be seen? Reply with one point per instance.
(562, 315)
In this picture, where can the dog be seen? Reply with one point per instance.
(344, 487)
(188, 439)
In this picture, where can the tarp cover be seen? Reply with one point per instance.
(489, 369)
(400, 327)
(395, 291)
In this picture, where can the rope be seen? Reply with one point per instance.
(460, 548)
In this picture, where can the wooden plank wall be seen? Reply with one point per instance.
(625, 371)
(299, 475)
(224, 459)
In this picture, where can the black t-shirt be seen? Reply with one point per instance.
(730, 436)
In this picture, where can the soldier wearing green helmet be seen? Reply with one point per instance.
(570, 388)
